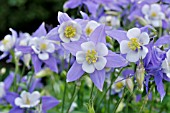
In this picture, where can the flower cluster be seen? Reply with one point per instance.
(118, 44)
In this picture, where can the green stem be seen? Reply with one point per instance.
(73, 97)
(91, 93)
(65, 86)
(146, 100)
(112, 81)
(117, 104)
(15, 75)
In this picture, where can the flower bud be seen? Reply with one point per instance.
(140, 75)
(129, 84)
(43, 73)
(142, 21)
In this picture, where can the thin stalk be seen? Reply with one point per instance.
(91, 93)
(146, 100)
(65, 87)
(117, 104)
(73, 97)
(104, 94)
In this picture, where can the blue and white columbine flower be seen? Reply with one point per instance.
(92, 56)
(8, 42)
(90, 27)
(166, 64)
(69, 31)
(28, 100)
(153, 14)
(119, 84)
(42, 47)
(135, 46)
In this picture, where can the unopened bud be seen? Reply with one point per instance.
(140, 75)
(43, 73)
(129, 84)
(142, 21)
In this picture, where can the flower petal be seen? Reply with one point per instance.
(41, 31)
(89, 68)
(63, 17)
(51, 48)
(159, 85)
(132, 56)
(49, 102)
(133, 33)
(98, 78)
(88, 46)
(101, 63)
(52, 64)
(75, 72)
(118, 35)
(115, 60)
(101, 49)
(144, 38)
(145, 9)
(36, 62)
(73, 47)
(34, 96)
(98, 35)
(80, 57)
(143, 52)
(43, 56)
(124, 47)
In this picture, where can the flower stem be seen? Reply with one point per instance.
(63, 100)
(65, 86)
(73, 97)
(117, 104)
(91, 93)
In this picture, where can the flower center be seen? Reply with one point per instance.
(5, 41)
(134, 44)
(153, 14)
(43, 46)
(119, 85)
(27, 101)
(70, 32)
(88, 31)
(91, 56)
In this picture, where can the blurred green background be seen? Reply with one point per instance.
(27, 15)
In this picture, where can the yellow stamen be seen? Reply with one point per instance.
(88, 31)
(70, 32)
(27, 101)
(91, 56)
(43, 46)
(153, 14)
(5, 41)
(119, 85)
(134, 44)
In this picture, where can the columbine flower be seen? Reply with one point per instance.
(8, 42)
(153, 14)
(90, 27)
(119, 84)
(110, 21)
(28, 100)
(92, 57)
(134, 47)
(166, 64)
(42, 47)
(69, 30)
